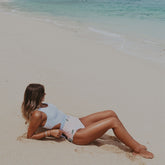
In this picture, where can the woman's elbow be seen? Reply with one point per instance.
(29, 136)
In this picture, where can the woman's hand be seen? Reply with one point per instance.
(56, 133)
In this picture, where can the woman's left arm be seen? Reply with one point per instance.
(35, 123)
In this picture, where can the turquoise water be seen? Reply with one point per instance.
(133, 26)
(96, 9)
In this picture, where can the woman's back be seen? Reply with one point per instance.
(54, 116)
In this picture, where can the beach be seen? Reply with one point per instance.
(81, 76)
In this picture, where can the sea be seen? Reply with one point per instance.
(135, 27)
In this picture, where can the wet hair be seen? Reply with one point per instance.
(33, 96)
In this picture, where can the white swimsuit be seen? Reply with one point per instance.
(69, 124)
(54, 116)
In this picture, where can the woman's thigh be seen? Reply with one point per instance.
(94, 131)
(95, 117)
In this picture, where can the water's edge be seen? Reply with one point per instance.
(126, 41)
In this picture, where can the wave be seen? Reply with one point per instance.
(104, 32)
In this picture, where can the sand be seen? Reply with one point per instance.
(81, 76)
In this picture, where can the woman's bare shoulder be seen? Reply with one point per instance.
(36, 115)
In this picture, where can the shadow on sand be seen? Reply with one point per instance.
(106, 143)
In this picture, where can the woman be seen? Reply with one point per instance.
(80, 131)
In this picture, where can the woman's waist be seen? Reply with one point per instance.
(55, 123)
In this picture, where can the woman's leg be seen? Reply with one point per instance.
(92, 118)
(97, 129)
(95, 117)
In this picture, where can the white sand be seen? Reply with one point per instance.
(80, 77)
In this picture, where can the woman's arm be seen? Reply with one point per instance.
(53, 132)
(35, 123)
(41, 135)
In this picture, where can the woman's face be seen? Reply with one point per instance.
(43, 99)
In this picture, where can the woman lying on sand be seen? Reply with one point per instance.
(80, 131)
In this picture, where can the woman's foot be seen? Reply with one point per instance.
(146, 154)
(143, 147)
(142, 151)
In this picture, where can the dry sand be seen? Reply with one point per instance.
(81, 77)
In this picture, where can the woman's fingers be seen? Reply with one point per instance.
(57, 132)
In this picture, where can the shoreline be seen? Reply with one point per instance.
(81, 76)
(132, 45)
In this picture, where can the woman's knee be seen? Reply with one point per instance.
(111, 113)
(114, 122)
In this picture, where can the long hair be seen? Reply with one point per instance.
(33, 96)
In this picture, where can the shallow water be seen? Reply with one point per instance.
(132, 26)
